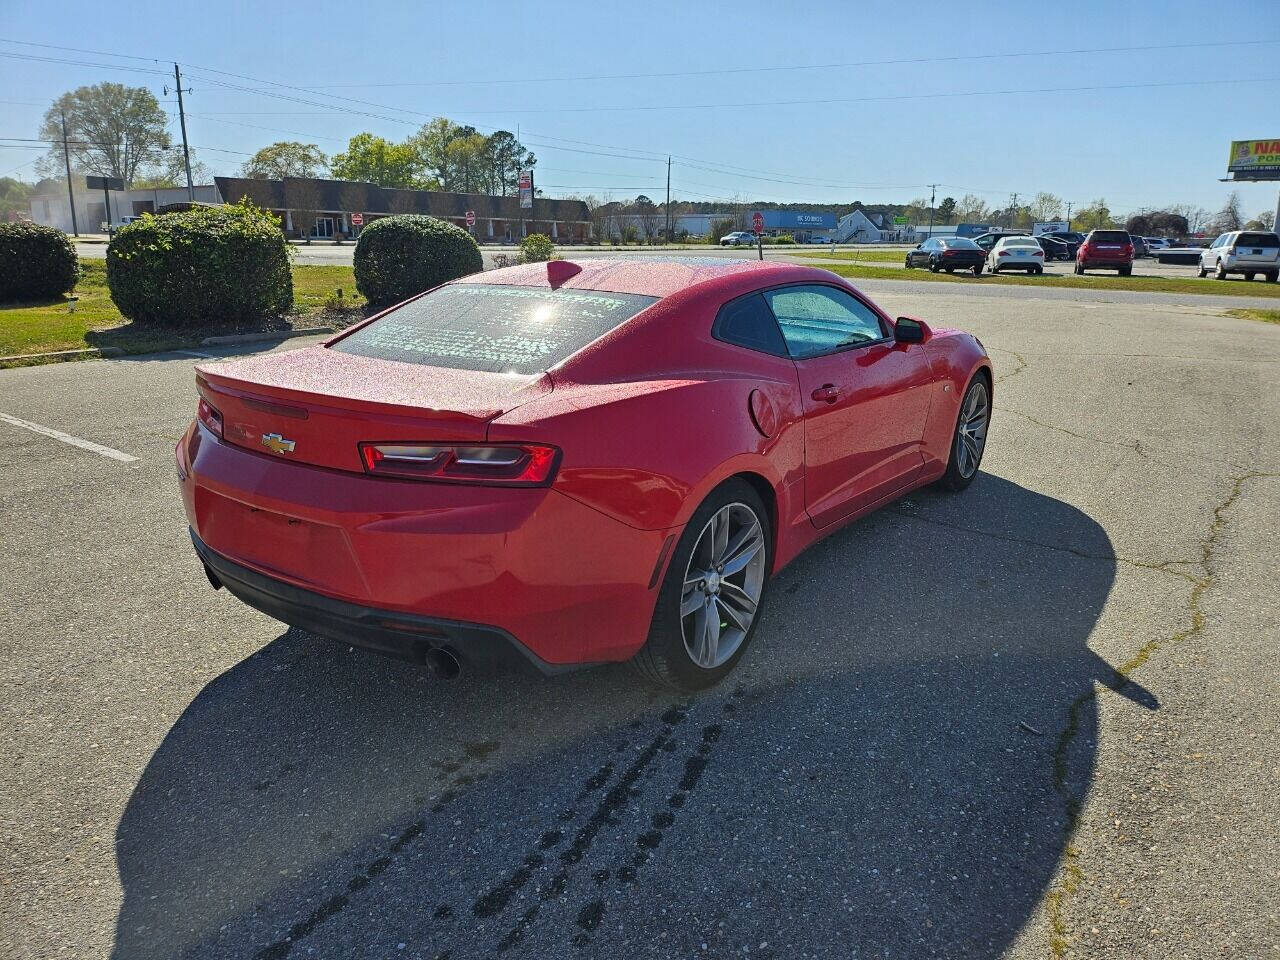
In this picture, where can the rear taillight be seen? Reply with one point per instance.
(1128, 249)
(511, 465)
(1037, 253)
(1003, 253)
(948, 253)
(210, 417)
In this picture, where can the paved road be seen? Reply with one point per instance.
(927, 753)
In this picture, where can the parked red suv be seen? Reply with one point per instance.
(1109, 249)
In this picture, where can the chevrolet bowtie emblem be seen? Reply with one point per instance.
(276, 443)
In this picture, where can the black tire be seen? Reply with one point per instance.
(1219, 272)
(977, 269)
(909, 264)
(1202, 273)
(1125, 271)
(1248, 276)
(664, 659)
(994, 269)
(933, 266)
(1038, 270)
(1273, 276)
(1079, 269)
(954, 479)
(948, 270)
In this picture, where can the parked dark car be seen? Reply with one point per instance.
(1069, 237)
(1109, 249)
(949, 254)
(1054, 249)
(988, 240)
(1140, 248)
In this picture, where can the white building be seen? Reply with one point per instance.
(53, 210)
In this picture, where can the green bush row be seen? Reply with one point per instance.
(36, 262)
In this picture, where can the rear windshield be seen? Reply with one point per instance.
(1258, 240)
(1020, 242)
(960, 243)
(1110, 236)
(499, 329)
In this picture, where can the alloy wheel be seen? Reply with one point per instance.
(723, 583)
(971, 434)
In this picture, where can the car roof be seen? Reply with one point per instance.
(647, 276)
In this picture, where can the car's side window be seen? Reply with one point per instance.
(816, 319)
(748, 322)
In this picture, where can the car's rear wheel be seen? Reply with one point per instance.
(1125, 271)
(1220, 272)
(710, 600)
(977, 269)
(933, 266)
(1202, 273)
(970, 438)
(1079, 269)
(1248, 276)
(1273, 276)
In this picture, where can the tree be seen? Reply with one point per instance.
(507, 157)
(14, 195)
(286, 158)
(1095, 216)
(377, 160)
(918, 210)
(946, 209)
(171, 171)
(1045, 206)
(650, 218)
(467, 165)
(972, 209)
(1196, 217)
(112, 130)
(302, 198)
(1229, 217)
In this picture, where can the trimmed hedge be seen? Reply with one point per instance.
(212, 266)
(36, 262)
(400, 256)
(536, 248)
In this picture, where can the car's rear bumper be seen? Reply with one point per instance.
(568, 583)
(402, 635)
(1107, 263)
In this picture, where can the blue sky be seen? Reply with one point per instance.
(1144, 146)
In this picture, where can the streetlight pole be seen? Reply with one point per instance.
(933, 192)
(1068, 216)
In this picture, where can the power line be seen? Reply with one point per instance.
(779, 68)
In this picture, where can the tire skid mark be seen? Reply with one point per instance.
(591, 915)
(340, 901)
(605, 813)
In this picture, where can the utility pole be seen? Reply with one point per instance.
(668, 208)
(1068, 216)
(933, 192)
(66, 156)
(1013, 208)
(182, 119)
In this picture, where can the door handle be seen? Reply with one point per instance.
(828, 392)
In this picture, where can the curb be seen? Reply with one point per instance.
(57, 356)
(257, 337)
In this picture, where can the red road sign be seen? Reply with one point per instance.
(471, 218)
(357, 219)
(757, 222)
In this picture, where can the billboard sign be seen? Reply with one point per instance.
(1254, 160)
(104, 183)
(1048, 226)
(526, 189)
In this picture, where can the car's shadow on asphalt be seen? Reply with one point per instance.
(884, 775)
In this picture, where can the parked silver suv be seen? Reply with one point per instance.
(1243, 251)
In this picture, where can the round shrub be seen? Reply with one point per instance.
(36, 262)
(397, 257)
(536, 248)
(213, 266)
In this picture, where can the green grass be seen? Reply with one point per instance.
(95, 322)
(857, 256)
(1090, 281)
(1266, 316)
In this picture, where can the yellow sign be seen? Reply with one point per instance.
(1255, 159)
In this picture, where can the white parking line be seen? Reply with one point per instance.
(194, 353)
(67, 438)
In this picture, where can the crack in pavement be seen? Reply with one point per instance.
(1135, 445)
(1073, 873)
(1022, 364)
(1160, 566)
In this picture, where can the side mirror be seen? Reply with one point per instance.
(919, 245)
(906, 330)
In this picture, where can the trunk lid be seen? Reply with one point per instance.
(316, 406)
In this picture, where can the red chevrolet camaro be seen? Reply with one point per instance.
(564, 464)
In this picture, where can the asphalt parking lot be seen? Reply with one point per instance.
(929, 751)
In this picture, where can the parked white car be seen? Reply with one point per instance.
(1016, 253)
(1243, 251)
(738, 238)
(1157, 243)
